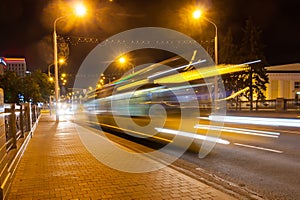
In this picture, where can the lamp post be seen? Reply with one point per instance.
(80, 10)
(50, 79)
(197, 14)
(60, 61)
(56, 65)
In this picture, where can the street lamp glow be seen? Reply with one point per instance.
(61, 61)
(80, 9)
(122, 60)
(197, 14)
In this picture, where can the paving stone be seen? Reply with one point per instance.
(56, 165)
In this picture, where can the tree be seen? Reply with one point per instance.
(9, 83)
(228, 49)
(251, 49)
(32, 88)
(229, 55)
(46, 87)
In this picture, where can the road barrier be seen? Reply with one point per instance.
(279, 105)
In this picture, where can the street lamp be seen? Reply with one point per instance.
(123, 60)
(80, 10)
(60, 61)
(198, 14)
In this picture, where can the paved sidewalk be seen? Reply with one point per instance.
(56, 165)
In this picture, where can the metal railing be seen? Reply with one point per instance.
(17, 123)
(19, 119)
(267, 105)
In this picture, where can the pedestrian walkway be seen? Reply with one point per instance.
(56, 165)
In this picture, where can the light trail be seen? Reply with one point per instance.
(256, 120)
(181, 67)
(145, 136)
(192, 135)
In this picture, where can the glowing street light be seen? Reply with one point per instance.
(123, 60)
(61, 61)
(79, 10)
(197, 14)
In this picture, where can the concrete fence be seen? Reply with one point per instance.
(17, 123)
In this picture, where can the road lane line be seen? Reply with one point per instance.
(260, 148)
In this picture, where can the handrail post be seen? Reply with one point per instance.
(12, 126)
(35, 113)
(28, 117)
(32, 114)
(22, 120)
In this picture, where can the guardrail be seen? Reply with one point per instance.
(17, 123)
(278, 104)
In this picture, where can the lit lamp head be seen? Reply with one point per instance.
(122, 60)
(61, 61)
(197, 14)
(80, 10)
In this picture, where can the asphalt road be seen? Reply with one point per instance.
(269, 166)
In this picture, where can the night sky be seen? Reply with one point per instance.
(26, 25)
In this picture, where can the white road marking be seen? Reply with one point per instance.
(260, 148)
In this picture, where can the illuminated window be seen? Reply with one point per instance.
(297, 85)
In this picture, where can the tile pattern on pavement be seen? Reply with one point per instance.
(57, 166)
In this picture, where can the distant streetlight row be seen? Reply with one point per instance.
(80, 11)
(197, 14)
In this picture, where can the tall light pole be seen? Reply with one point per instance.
(198, 14)
(80, 10)
(56, 66)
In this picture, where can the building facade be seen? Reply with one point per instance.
(17, 65)
(284, 81)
